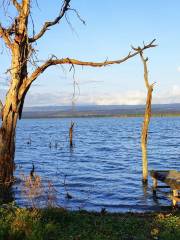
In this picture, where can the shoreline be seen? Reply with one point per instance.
(160, 115)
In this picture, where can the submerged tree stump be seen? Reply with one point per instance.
(144, 135)
(71, 134)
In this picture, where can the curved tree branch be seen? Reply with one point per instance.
(63, 10)
(26, 84)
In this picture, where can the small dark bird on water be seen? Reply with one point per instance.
(68, 196)
(29, 141)
(32, 171)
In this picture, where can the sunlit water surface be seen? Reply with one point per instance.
(103, 170)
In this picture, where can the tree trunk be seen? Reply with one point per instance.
(144, 134)
(13, 105)
(7, 148)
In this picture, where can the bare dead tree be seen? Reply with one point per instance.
(21, 46)
(147, 116)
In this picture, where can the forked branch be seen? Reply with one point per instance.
(16, 4)
(63, 10)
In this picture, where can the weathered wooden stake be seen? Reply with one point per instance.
(71, 134)
(145, 126)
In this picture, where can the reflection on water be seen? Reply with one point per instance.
(103, 170)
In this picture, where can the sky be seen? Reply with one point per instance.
(112, 26)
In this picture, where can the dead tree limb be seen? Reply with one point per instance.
(26, 84)
(147, 116)
(46, 26)
(71, 134)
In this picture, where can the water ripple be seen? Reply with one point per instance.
(104, 167)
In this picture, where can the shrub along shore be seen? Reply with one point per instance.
(58, 223)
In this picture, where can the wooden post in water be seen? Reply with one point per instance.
(145, 126)
(71, 134)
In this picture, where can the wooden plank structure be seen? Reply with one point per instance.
(172, 180)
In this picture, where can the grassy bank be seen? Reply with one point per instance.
(56, 223)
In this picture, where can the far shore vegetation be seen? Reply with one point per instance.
(100, 115)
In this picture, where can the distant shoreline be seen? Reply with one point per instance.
(100, 116)
(100, 111)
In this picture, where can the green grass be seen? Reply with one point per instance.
(57, 223)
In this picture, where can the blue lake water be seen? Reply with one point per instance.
(104, 168)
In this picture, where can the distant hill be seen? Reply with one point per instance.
(99, 111)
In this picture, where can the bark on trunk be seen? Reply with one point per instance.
(7, 148)
(13, 104)
(147, 116)
(144, 135)
(11, 111)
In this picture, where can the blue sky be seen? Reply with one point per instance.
(111, 27)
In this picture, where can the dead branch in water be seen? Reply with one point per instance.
(147, 116)
(71, 129)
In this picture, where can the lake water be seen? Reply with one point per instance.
(103, 170)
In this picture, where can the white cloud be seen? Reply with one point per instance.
(178, 68)
(175, 90)
(40, 99)
(130, 97)
(126, 98)
(59, 98)
(133, 97)
(172, 95)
